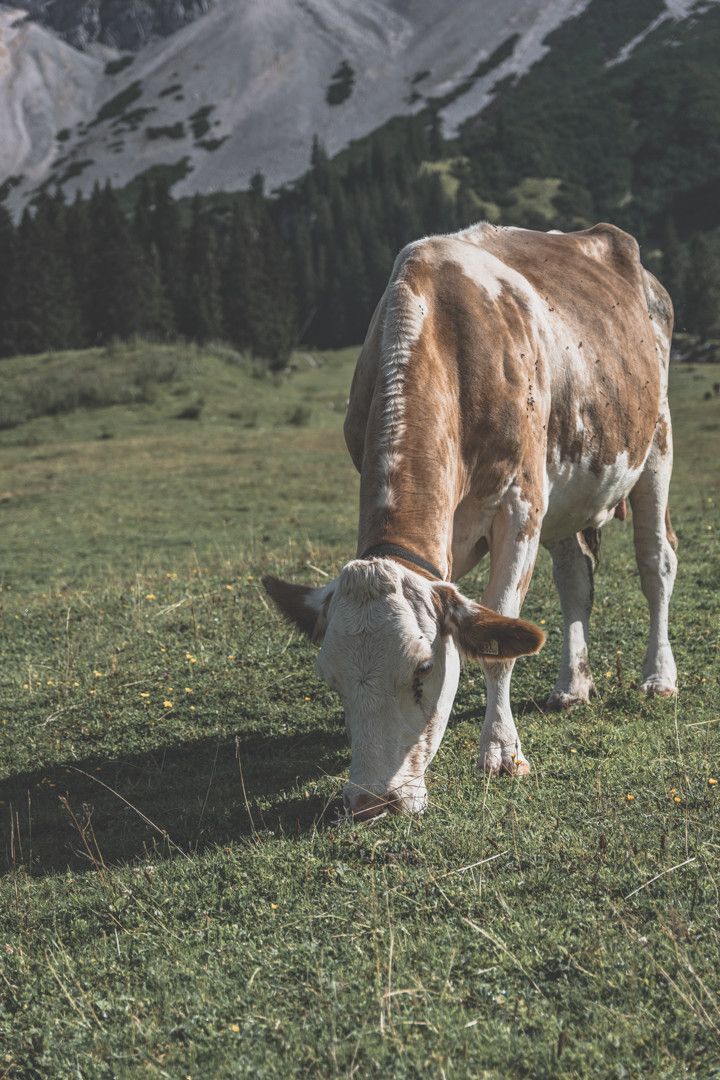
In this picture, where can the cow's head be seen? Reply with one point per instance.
(391, 642)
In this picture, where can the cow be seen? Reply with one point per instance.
(511, 392)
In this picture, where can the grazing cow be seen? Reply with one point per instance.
(511, 391)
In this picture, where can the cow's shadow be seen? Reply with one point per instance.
(174, 801)
(167, 802)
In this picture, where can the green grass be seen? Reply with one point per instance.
(177, 897)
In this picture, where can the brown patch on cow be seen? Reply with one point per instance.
(466, 378)
(589, 541)
(669, 531)
(481, 633)
(621, 510)
(662, 432)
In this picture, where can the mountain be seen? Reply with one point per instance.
(245, 87)
(218, 90)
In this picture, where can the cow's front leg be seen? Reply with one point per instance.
(513, 549)
(574, 560)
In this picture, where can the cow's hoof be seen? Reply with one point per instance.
(561, 700)
(655, 686)
(492, 763)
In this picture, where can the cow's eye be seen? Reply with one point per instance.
(425, 668)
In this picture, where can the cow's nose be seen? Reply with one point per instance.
(364, 805)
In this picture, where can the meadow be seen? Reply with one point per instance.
(179, 896)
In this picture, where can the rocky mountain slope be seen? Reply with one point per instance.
(246, 86)
(122, 24)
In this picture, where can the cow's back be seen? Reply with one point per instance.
(546, 348)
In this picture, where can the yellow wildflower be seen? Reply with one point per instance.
(630, 797)
(167, 704)
(189, 690)
(235, 1028)
(150, 596)
(712, 782)
(677, 799)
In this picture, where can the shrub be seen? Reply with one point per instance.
(190, 412)
(114, 67)
(341, 85)
(299, 416)
(200, 121)
(117, 105)
(172, 131)
(116, 376)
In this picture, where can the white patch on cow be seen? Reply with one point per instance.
(573, 576)
(580, 497)
(513, 551)
(381, 625)
(485, 269)
(404, 319)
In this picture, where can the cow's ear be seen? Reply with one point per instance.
(304, 606)
(481, 633)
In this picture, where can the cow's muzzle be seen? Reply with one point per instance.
(365, 805)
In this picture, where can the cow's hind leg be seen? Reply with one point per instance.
(574, 560)
(655, 545)
(513, 542)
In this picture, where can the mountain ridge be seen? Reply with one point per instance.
(244, 88)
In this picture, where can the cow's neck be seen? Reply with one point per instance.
(408, 496)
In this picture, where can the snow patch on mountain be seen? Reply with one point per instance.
(674, 9)
(530, 48)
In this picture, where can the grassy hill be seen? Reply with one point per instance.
(177, 896)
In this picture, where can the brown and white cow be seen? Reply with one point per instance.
(511, 391)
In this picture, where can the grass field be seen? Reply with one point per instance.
(178, 897)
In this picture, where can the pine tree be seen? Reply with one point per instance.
(235, 276)
(674, 270)
(201, 318)
(7, 275)
(169, 240)
(79, 252)
(43, 304)
(120, 302)
(702, 294)
(270, 298)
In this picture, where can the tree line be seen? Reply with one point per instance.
(268, 273)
